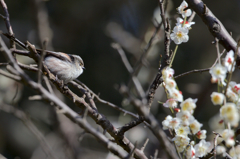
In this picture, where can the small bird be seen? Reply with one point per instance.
(64, 66)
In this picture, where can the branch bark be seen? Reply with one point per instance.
(214, 25)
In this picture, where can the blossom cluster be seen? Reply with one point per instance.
(180, 31)
(188, 136)
(229, 100)
(228, 110)
(171, 87)
(183, 124)
(186, 129)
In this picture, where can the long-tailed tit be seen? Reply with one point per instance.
(65, 67)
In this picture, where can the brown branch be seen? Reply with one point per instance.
(139, 63)
(21, 52)
(100, 119)
(165, 59)
(145, 144)
(192, 71)
(128, 66)
(155, 128)
(200, 70)
(215, 143)
(153, 124)
(130, 125)
(7, 22)
(9, 75)
(215, 27)
(103, 101)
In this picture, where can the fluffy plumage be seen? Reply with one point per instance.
(66, 67)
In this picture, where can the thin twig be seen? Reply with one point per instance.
(123, 56)
(139, 63)
(104, 101)
(155, 154)
(145, 144)
(192, 71)
(9, 75)
(132, 152)
(199, 70)
(7, 22)
(165, 58)
(125, 61)
(100, 119)
(130, 125)
(48, 84)
(215, 143)
(40, 62)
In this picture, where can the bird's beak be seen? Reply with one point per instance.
(84, 68)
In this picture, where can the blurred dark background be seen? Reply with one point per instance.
(88, 28)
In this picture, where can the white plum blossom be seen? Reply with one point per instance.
(221, 150)
(235, 152)
(176, 94)
(230, 114)
(184, 13)
(185, 117)
(187, 24)
(170, 123)
(188, 105)
(182, 130)
(190, 153)
(219, 72)
(230, 142)
(228, 136)
(170, 84)
(233, 91)
(217, 98)
(167, 72)
(232, 96)
(170, 103)
(216, 122)
(179, 35)
(195, 126)
(214, 80)
(202, 148)
(229, 61)
(181, 142)
(201, 134)
(234, 87)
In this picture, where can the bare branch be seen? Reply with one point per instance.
(9, 75)
(215, 27)
(192, 71)
(125, 61)
(165, 60)
(99, 119)
(7, 22)
(145, 144)
(130, 125)
(103, 101)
